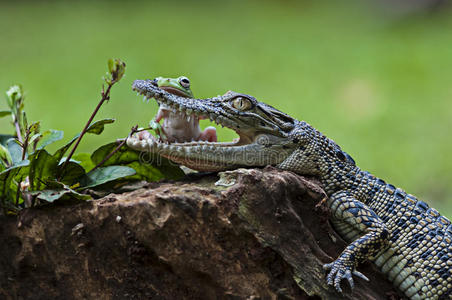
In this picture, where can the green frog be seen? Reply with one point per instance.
(178, 127)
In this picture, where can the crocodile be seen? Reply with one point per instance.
(410, 242)
(178, 127)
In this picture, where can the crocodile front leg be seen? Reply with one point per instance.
(356, 221)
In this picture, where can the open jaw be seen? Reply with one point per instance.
(247, 150)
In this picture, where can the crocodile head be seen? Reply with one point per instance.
(263, 131)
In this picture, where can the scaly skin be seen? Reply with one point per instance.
(409, 241)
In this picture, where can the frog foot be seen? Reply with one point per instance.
(342, 268)
(157, 128)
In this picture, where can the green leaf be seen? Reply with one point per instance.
(5, 113)
(120, 157)
(7, 178)
(98, 126)
(95, 128)
(111, 65)
(102, 175)
(84, 159)
(73, 171)
(49, 137)
(15, 150)
(59, 191)
(34, 127)
(150, 167)
(60, 152)
(5, 157)
(43, 167)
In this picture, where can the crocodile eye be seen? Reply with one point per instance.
(184, 82)
(241, 103)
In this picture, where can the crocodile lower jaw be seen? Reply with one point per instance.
(196, 154)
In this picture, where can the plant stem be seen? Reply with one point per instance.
(19, 136)
(25, 144)
(132, 131)
(105, 96)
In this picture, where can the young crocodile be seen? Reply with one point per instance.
(178, 127)
(409, 241)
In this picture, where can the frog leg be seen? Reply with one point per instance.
(373, 236)
(209, 134)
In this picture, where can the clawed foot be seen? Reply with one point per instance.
(342, 269)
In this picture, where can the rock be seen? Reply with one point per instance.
(256, 234)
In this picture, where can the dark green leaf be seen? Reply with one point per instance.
(49, 137)
(98, 126)
(122, 156)
(150, 167)
(43, 167)
(5, 157)
(7, 177)
(5, 113)
(102, 175)
(72, 172)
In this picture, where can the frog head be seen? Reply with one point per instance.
(179, 86)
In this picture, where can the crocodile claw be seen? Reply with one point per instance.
(341, 269)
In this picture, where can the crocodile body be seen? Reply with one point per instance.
(409, 241)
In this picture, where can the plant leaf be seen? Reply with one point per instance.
(84, 159)
(150, 167)
(5, 157)
(7, 189)
(15, 150)
(5, 137)
(103, 175)
(43, 167)
(5, 113)
(98, 126)
(49, 137)
(72, 172)
(57, 191)
(95, 128)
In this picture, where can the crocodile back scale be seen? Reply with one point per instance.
(409, 241)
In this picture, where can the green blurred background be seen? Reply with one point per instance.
(375, 78)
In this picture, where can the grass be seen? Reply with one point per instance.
(377, 83)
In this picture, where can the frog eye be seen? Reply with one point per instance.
(184, 82)
(241, 103)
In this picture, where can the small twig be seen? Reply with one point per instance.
(132, 131)
(18, 191)
(105, 97)
(25, 144)
(116, 71)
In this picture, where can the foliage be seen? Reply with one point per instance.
(30, 175)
